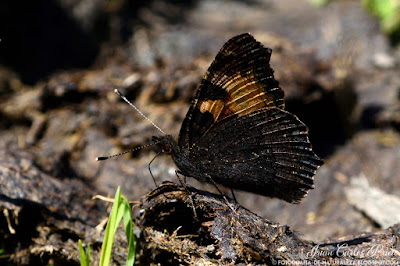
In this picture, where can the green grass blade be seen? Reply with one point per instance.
(128, 225)
(85, 259)
(112, 223)
(88, 255)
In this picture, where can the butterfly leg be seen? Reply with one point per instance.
(220, 192)
(151, 173)
(233, 196)
(188, 191)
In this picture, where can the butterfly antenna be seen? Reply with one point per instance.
(102, 158)
(145, 117)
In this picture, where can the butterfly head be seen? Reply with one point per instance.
(165, 144)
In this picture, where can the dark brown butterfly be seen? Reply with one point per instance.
(237, 133)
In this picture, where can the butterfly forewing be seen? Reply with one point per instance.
(239, 81)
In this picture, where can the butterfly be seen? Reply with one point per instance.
(237, 133)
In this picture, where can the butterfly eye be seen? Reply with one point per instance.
(166, 148)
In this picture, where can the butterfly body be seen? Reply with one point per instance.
(237, 133)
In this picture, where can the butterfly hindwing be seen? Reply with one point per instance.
(266, 152)
(239, 81)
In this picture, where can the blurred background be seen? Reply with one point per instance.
(60, 60)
